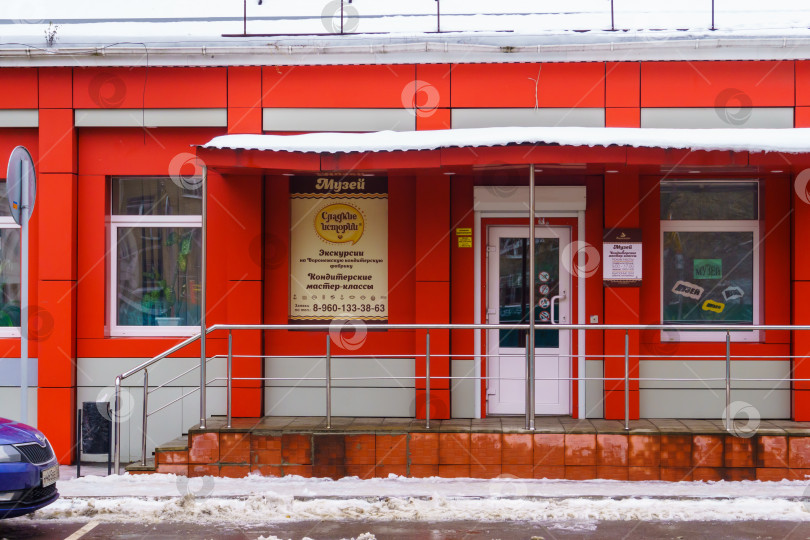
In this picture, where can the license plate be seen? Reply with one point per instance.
(50, 476)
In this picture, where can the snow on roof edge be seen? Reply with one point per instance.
(791, 140)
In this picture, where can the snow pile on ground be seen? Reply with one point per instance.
(257, 500)
(275, 508)
(169, 485)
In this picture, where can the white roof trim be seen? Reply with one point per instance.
(794, 140)
(361, 49)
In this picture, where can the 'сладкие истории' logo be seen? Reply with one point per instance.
(340, 223)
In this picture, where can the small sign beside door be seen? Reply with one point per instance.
(621, 256)
(464, 235)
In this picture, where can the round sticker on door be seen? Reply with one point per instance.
(544, 289)
(544, 276)
(544, 303)
(544, 316)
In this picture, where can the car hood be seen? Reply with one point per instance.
(12, 432)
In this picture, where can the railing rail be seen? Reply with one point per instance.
(328, 379)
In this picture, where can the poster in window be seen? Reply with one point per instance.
(338, 248)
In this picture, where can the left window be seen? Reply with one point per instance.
(9, 270)
(155, 263)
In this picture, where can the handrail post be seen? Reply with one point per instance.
(728, 380)
(230, 377)
(627, 380)
(203, 277)
(532, 384)
(528, 378)
(328, 382)
(117, 425)
(427, 379)
(145, 415)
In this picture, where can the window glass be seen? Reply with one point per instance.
(162, 196)
(9, 276)
(688, 201)
(4, 208)
(158, 276)
(708, 276)
(514, 293)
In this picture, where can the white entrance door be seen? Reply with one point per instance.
(508, 301)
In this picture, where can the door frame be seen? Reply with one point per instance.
(575, 219)
(563, 358)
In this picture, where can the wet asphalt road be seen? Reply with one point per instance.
(22, 528)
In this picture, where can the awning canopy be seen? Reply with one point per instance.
(736, 140)
(516, 145)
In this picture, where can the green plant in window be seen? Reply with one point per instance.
(165, 298)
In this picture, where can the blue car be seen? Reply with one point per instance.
(28, 470)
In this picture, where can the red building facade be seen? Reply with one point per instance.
(94, 130)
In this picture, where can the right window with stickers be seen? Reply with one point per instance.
(710, 256)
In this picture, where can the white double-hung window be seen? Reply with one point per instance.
(155, 256)
(710, 257)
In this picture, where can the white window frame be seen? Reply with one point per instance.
(713, 226)
(129, 221)
(7, 222)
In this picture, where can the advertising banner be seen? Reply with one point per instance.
(338, 248)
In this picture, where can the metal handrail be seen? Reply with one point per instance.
(727, 329)
(117, 403)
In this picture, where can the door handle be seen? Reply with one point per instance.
(559, 298)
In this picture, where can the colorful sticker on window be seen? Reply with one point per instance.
(711, 305)
(708, 268)
(689, 290)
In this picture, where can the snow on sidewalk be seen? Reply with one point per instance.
(256, 499)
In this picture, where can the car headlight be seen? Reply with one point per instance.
(9, 454)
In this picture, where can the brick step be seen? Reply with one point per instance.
(619, 456)
(174, 451)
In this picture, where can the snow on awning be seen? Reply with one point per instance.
(791, 141)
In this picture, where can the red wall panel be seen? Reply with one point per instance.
(622, 117)
(56, 209)
(57, 351)
(514, 85)
(337, 86)
(402, 248)
(432, 227)
(622, 305)
(245, 86)
(18, 88)
(57, 141)
(622, 87)
(244, 306)
(244, 120)
(436, 90)
(462, 265)
(433, 307)
(56, 418)
(91, 257)
(169, 87)
(433, 119)
(802, 82)
(11, 138)
(55, 88)
(594, 301)
(775, 254)
(713, 84)
(132, 151)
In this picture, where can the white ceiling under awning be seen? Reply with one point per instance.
(790, 141)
